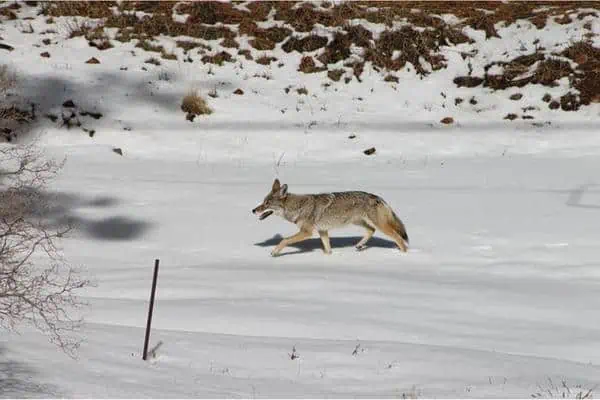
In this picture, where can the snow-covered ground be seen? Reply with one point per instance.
(497, 296)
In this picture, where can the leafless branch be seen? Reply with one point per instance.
(37, 286)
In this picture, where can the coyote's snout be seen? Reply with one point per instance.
(326, 211)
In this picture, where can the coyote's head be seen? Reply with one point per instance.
(273, 202)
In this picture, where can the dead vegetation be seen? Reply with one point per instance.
(416, 43)
(547, 70)
(193, 104)
(12, 116)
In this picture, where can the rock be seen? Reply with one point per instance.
(93, 60)
(447, 120)
(511, 117)
(238, 91)
(118, 151)
(468, 81)
(69, 104)
(370, 151)
(45, 54)
(516, 96)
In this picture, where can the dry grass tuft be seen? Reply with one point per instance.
(265, 60)
(304, 45)
(335, 74)
(309, 66)
(195, 104)
(218, 58)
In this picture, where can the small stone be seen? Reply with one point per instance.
(516, 96)
(369, 151)
(118, 151)
(45, 54)
(93, 60)
(447, 120)
(238, 91)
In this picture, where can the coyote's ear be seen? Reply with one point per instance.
(283, 190)
(276, 185)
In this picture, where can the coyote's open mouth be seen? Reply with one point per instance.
(265, 214)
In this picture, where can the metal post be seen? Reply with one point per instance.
(150, 309)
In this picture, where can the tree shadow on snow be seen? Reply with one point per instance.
(48, 95)
(59, 209)
(17, 380)
(313, 244)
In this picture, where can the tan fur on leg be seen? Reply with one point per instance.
(325, 239)
(370, 231)
(298, 237)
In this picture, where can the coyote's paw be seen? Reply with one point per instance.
(274, 253)
(360, 248)
(327, 252)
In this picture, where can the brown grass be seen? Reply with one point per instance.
(262, 43)
(218, 58)
(587, 74)
(309, 66)
(304, 45)
(335, 75)
(230, 43)
(265, 60)
(147, 46)
(188, 45)
(91, 9)
(213, 20)
(194, 104)
(246, 53)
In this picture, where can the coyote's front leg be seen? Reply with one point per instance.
(304, 234)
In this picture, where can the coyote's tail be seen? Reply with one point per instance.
(385, 216)
(399, 226)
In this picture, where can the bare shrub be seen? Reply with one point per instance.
(553, 390)
(8, 79)
(194, 104)
(37, 286)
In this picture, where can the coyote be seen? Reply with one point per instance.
(325, 211)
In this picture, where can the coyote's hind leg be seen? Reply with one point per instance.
(325, 239)
(361, 245)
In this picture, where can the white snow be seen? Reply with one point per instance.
(497, 296)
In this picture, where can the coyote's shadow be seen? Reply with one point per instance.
(313, 244)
